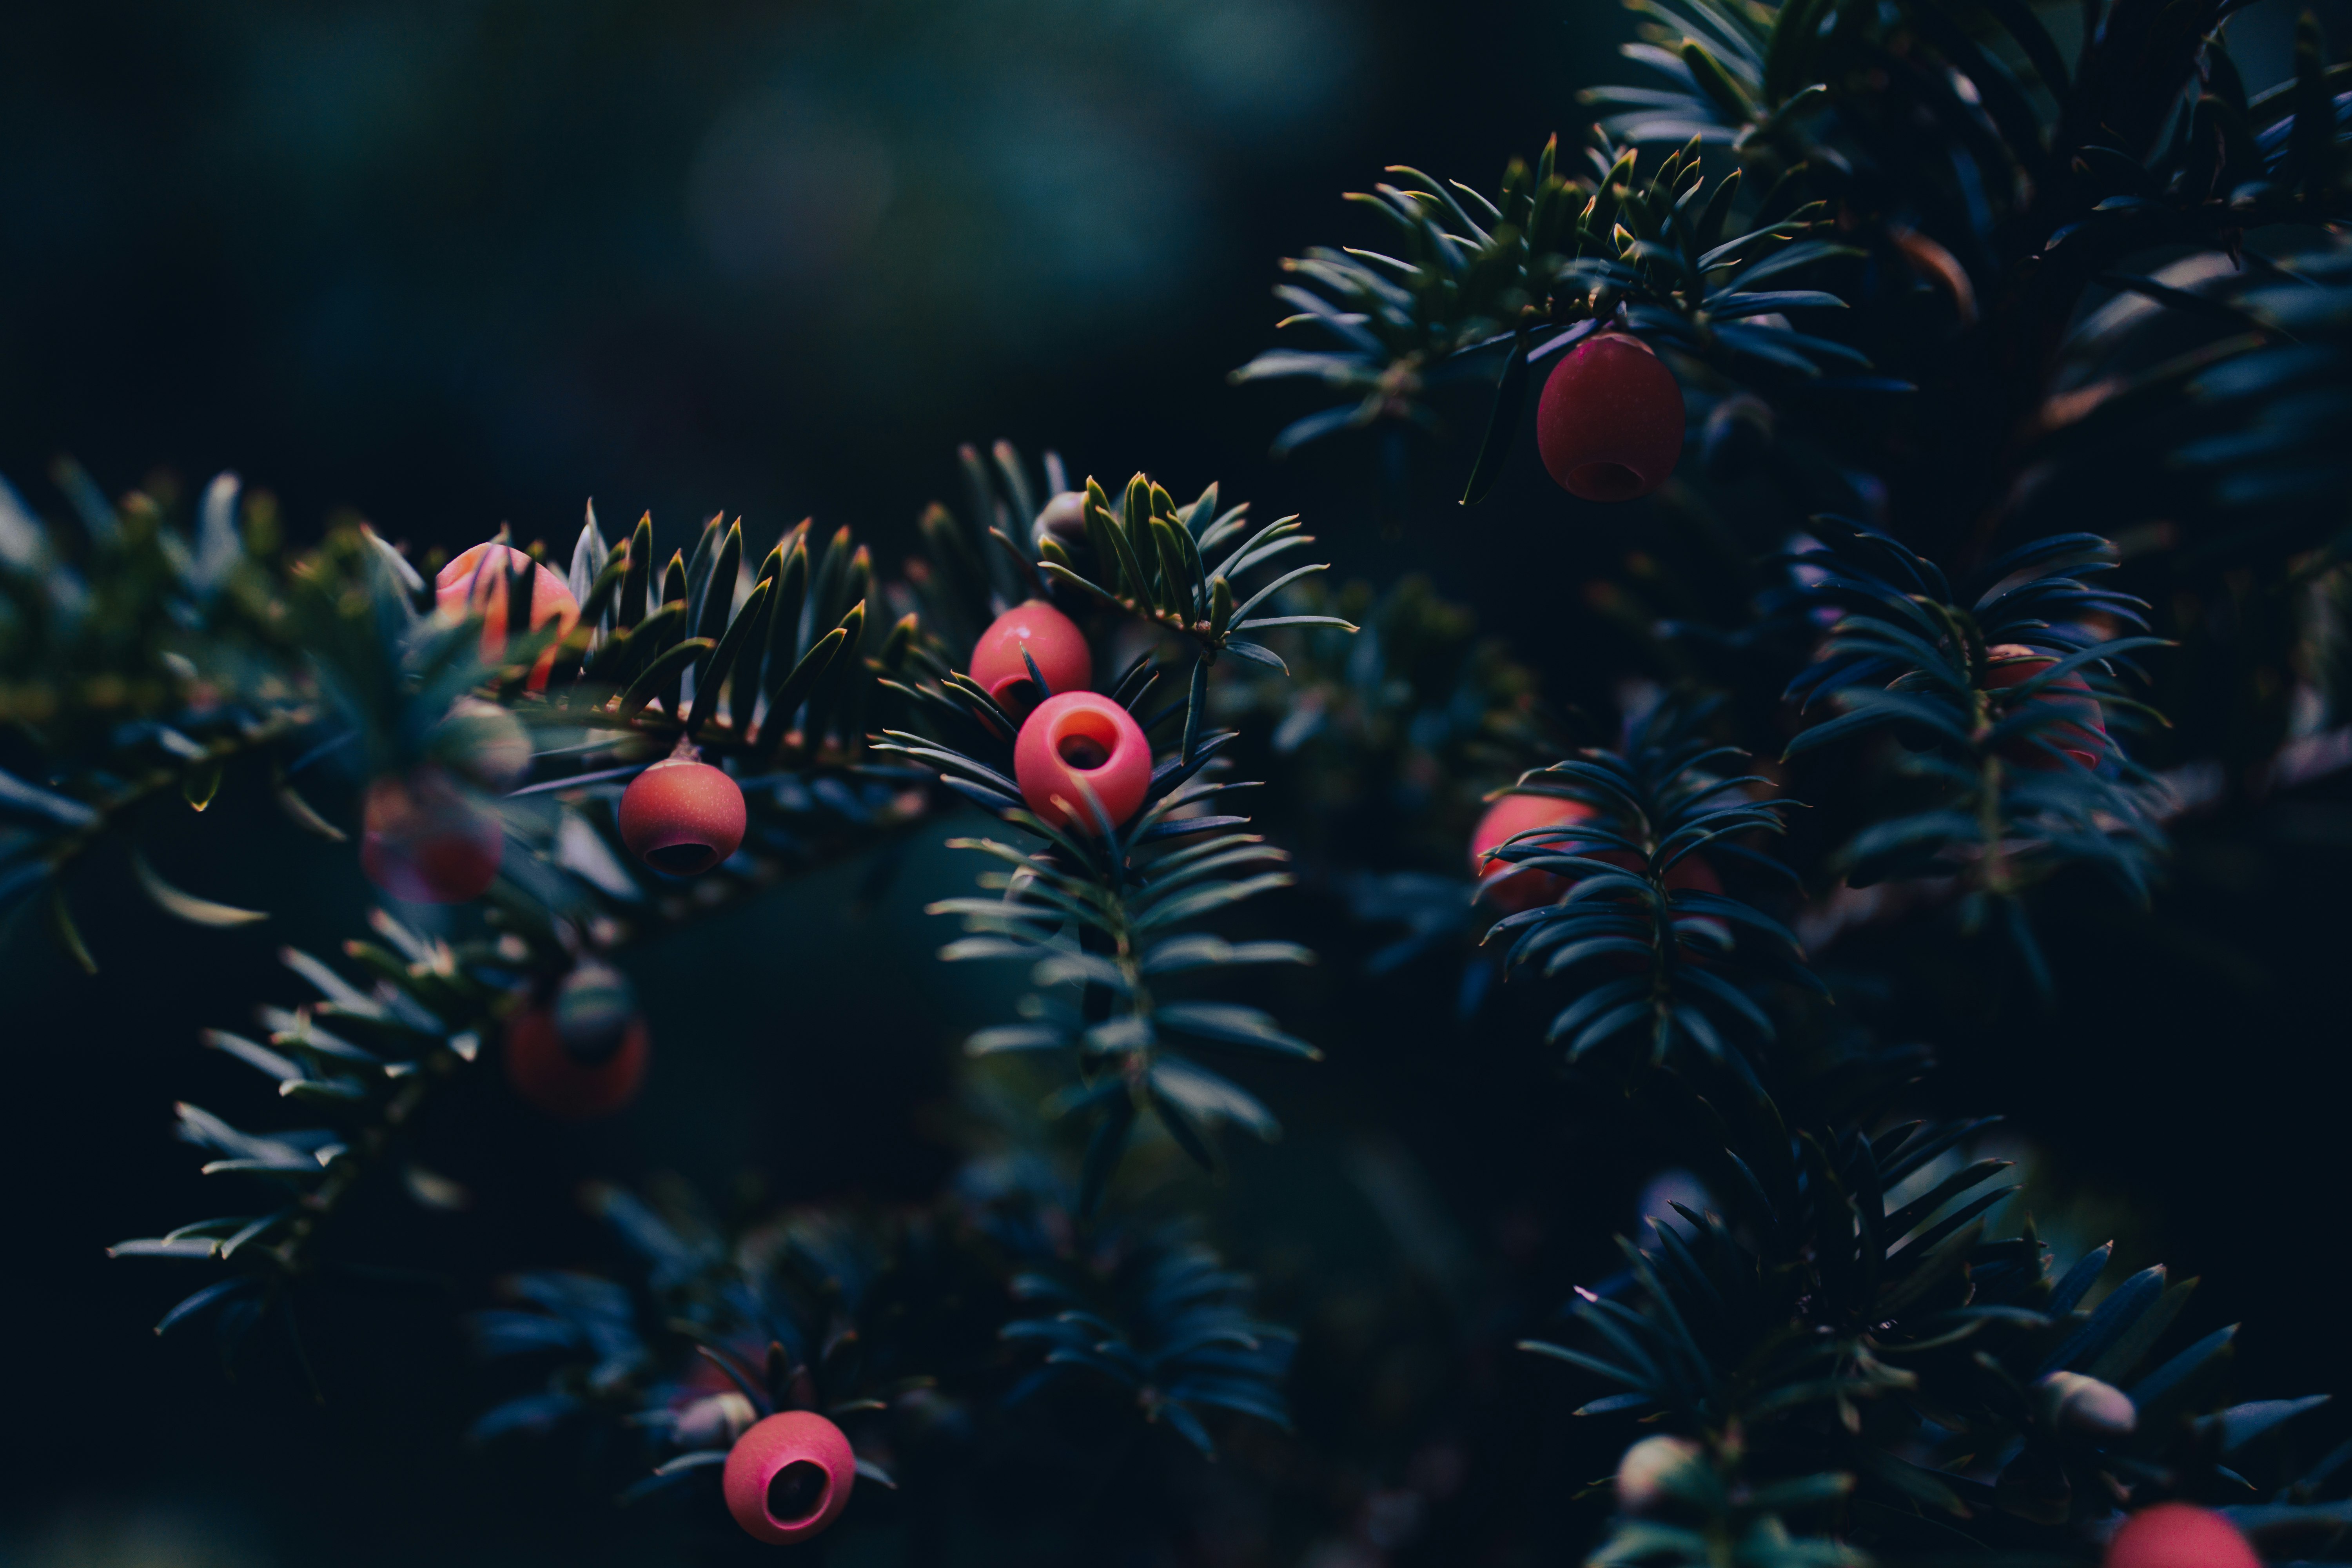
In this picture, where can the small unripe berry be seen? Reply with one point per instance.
(550, 1075)
(2087, 1406)
(482, 743)
(1076, 742)
(425, 837)
(1063, 520)
(1610, 422)
(682, 817)
(1052, 639)
(1511, 889)
(475, 582)
(2179, 1535)
(1646, 1473)
(789, 1476)
(594, 1008)
(2081, 735)
(1738, 433)
(713, 1420)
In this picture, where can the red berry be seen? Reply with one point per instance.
(1511, 890)
(789, 1476)
(477, 581)
(682, 817)
(426, 838)
(547, 1072)
(1051, 638)
(1609, 424)
(2081, 736)
(2179, 1535)
(1076, 742)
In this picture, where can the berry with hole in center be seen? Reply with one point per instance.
(1052, 639)
(2179, 1535)
(682, 817)
(476, 583)
(1610, 422)
(425, 837)
(2080, 731)
(789, 1476)
(1078, 743)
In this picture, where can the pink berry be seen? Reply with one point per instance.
(477, 581)
(682, 817)
(426, 838)
(789, 1476)
(1078, 742)
(1051, 638)
(1511, 890)
(2179, 1535)
(1610, 422)
(2081, 736)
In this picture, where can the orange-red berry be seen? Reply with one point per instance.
(424, 836)
(789, 1476)
(1081, 742)
(1610, 422)
(1051, 637)
(475, 582)
(2179, 1535)
(682, 817)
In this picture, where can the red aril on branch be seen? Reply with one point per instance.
(682, 817)
(2179, 1535)
(1510, 889)
(476, 583)
(425, 837)
(2081, 735)
(789, 1476)
(1610, 422)
(582, 1055)
(1078, 742)
(1051, 637)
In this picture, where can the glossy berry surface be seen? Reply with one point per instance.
(2179, 1535)
(424, 836)
(1075, 742)
(475, 582)
(789, 1476)
(1610, 422)
(682, 817)
(1051, 638)
(2081, 735)
(556, 1080)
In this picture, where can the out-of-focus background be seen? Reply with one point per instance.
(451, 265)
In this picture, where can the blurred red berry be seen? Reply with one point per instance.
(1077, 741)
(424, 836)
(682, 817)
(789, 1476)
(1051, 638)
(556, 1079)
(1610, 422)
(2179, 1535)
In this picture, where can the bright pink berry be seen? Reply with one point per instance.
(789, 1476)
(1078, 742)
(2179, 1535)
